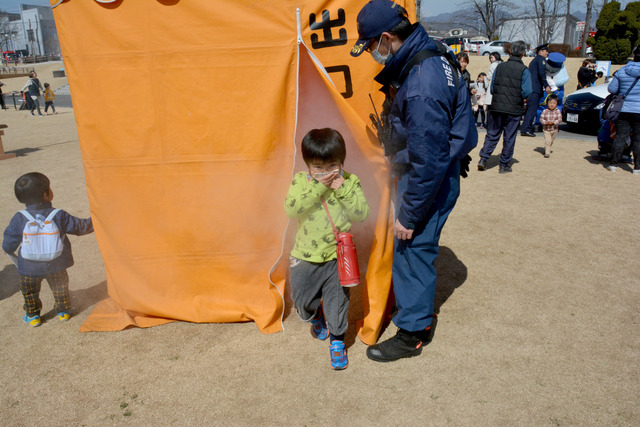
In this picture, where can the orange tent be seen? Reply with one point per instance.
(189, 114)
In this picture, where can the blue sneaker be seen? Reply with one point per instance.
(32, 321)
(319, 326)
(63, 317)
(338, 355)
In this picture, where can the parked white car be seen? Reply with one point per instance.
(475, 45)
(494, 46)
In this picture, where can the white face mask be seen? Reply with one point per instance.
(375, 54)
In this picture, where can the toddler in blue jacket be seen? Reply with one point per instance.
(45, 251)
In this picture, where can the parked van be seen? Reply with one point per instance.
(457, 44)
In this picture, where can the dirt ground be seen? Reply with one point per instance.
(537, 293)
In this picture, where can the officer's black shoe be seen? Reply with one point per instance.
(402, 344)
(505, 169)
(482, 165)
(527, 134)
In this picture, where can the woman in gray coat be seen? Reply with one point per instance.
(33, 89)
(629, 119)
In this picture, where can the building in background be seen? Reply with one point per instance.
(32, 32)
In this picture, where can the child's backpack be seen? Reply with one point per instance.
(41, 240)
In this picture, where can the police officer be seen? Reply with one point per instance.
(429, 128)
(538, 70)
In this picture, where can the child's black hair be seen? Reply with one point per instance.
(46, 85)
(463, 55)
(553, 97)
(31, 187)
(323, 145)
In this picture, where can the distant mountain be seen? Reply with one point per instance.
(446, 18)
(582, 15)
(443, 17)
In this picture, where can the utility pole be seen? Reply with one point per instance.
(31, 37)
(567, 25)
(587, 27)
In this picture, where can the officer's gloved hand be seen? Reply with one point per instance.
(464, 165)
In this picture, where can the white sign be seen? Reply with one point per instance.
(604, 66)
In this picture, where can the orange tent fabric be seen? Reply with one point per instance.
(189, 114)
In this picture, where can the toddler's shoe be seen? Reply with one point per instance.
(338, 355)
(63, 317)
(319, 326)
(32, 321)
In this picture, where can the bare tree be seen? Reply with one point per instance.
(567, 24)
(587, 27)
(548, 15)
(485, 16)
(6, 32)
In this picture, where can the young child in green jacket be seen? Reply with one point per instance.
(317, 293)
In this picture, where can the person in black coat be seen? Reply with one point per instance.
(538, 71)
(587, 74)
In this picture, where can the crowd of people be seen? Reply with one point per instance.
(512, 96)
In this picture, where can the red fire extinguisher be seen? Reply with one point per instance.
(348, 268)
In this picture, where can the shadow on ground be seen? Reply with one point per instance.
(595, 158)
(82, 299)
(494, 161)
(9, 281)
(539, 150)
(21, 152)
(452, 273)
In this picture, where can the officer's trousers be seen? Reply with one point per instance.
(414, 273)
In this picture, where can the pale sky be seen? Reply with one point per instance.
(429, 7)
(436, 7)
(13, 6)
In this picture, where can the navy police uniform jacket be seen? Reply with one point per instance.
(431, 131)
(538, 69)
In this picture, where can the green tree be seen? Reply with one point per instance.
(618, 32)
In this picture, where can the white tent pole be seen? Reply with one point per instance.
(295, 153)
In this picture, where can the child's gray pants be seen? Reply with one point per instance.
(313, 283)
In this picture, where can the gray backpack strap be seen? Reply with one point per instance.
(52, 214)
(27, 215)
